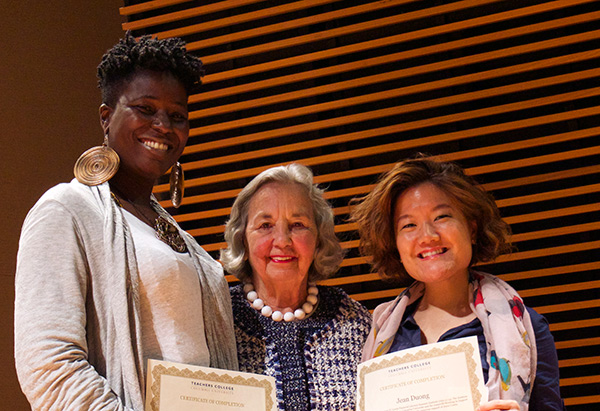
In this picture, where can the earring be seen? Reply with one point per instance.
(97, 165)
(176, 184)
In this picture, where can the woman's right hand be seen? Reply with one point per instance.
(499, 405)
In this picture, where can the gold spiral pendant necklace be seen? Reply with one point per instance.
(164, 229)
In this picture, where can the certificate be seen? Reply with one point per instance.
(441, 376)
(180, 387)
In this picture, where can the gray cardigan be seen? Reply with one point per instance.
(77, 314)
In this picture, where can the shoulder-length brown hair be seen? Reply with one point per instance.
(374, 213)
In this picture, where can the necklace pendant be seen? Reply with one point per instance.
(168, 234)
(165, 231)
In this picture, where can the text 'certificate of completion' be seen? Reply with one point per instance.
(180, 387)
(442, 376)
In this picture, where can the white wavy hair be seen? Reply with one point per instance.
(328, 253)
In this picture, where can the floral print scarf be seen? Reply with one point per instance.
(509, 335)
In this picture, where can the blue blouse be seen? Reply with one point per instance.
(546, 391)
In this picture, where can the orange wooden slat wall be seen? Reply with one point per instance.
(508, 89)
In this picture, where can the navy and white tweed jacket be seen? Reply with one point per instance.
(314, 360)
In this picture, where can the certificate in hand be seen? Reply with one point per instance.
(180, 387)
(441, 376)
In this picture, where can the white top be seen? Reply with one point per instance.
(170, 300)
(77, 319)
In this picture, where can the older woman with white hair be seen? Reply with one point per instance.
(281, 241)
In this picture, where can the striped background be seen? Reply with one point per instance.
(508, 89)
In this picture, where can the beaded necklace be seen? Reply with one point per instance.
(299, 314)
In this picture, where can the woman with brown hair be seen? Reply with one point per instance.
(426, 224)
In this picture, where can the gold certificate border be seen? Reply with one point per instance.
(159, 370)
(462, 347)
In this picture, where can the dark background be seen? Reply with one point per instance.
(49, 115)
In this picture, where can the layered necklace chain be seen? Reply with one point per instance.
(299, 314)
(165, 230)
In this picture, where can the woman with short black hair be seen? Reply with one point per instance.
(105, 277)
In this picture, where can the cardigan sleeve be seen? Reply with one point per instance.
(51, 284)
(545, 394)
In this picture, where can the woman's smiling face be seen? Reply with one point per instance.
(281, 234)
(433, 236)
(148, 126)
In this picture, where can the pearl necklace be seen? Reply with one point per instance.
(300, 313)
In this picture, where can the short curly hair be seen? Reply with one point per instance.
(130, 56)
(374, 213)
(328, 253)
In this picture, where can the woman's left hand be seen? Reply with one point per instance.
(499, 405)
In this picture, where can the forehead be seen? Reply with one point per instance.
(422, 197)
(154, 85)
(276, 196)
